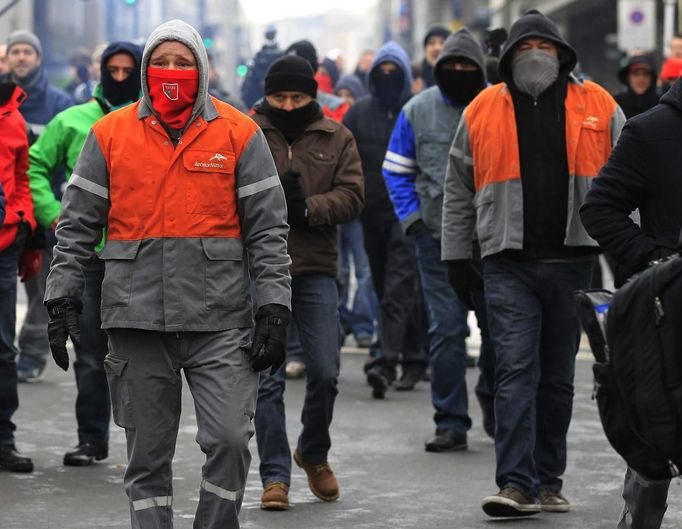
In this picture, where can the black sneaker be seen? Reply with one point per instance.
(29, 370)
(409, 379)
(13, 461)
(446, 440)
(510, 503)
(378, 381)
(86, 454)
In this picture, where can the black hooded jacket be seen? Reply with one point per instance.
(541, 131)
(643, 172)
(631, 103)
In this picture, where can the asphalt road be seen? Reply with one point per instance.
(387, 479)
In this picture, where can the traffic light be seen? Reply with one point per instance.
(242, 70)
(130, 2)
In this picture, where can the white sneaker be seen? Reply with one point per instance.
(295, 369)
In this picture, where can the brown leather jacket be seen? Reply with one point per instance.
(332, 181)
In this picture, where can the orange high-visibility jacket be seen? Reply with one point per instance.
(187, 225)
(483, 188)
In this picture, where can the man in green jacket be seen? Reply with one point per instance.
(59, 146)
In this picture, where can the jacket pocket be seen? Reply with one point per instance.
(119, 258)
(226, 276)
(485, 216)
(119, 387)
(209, 182)
(594, 146)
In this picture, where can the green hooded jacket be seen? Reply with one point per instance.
(59, 146)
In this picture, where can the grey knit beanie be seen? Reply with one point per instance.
(23, 36)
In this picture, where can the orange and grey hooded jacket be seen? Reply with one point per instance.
(188, 226)
(483, 191)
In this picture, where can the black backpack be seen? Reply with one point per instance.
(636, 337)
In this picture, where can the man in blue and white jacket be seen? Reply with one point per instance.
(414, 170)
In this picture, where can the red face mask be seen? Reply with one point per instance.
(173, 93)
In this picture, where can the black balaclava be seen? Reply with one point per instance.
(388, 88)
(291, 73)
(460, 86)
(292, 123)
(120, 92)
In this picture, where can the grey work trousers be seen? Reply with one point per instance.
(645, 502)
(143, 369)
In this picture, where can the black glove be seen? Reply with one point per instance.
(416, 228)
(24, 232)
(464, 280)
(296, 206)
(269, 338)
(63, 324)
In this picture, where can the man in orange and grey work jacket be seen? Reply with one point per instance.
(194, 210)
(522, 160)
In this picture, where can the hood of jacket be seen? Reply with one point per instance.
(177, 30)
(461, 45)
(534, 24)
(352, 83)
(673, 97)
(646, 59)
(392, 52)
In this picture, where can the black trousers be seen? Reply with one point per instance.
(402, 318)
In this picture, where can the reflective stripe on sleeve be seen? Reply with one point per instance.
(257, 187)
(220, 492)
(89, 186)
(459, 154)
(148, 503)
(390, 166)
(402, 160)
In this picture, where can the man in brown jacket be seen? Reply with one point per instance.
(321, 174)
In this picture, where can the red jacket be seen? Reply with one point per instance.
(13, 167)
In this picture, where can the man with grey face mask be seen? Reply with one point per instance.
(522, 160)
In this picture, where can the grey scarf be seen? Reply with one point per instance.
(534, 71)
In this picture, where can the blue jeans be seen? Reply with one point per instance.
(447, 337)
(9, 400)
(93, 406)
(359, 318)
(314, 307)
(536, 334)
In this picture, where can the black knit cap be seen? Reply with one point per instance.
(304, 48)
(290, 73)
(436, 31)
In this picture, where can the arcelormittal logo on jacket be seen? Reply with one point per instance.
(215, 162)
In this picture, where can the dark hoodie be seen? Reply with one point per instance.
(461, 45)
(120, 93)
(643, 172)
(633, 104)
(372, 125)
(541, 131)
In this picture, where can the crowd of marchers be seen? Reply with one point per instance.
(163, 226)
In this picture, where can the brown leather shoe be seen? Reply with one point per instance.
(321, 479)
(275, 497)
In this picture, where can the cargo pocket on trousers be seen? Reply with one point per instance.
(121, 403)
